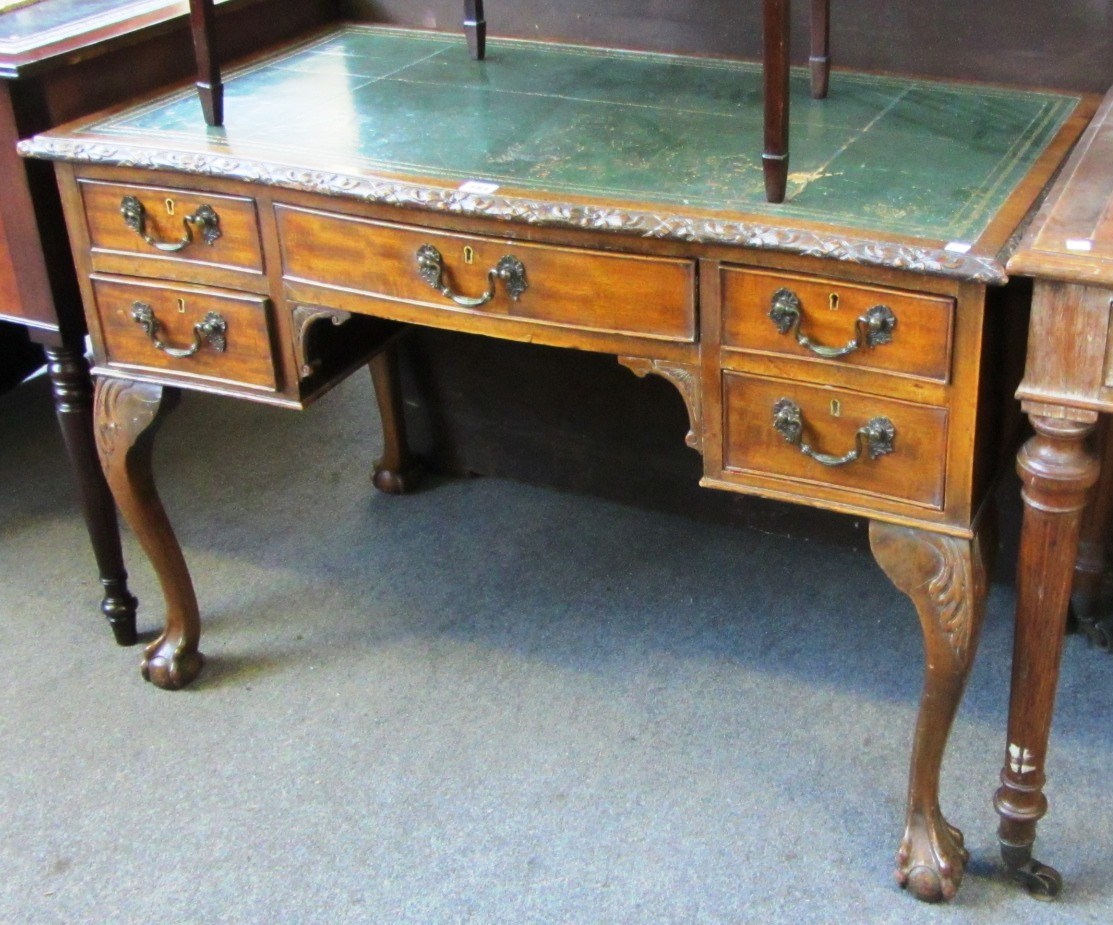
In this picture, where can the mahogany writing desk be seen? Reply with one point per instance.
(1068, 383)
(838, 350)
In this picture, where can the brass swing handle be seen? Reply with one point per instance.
(204, 219)
(211, 330)
(509, 269)
(874, 438)
(873, 327)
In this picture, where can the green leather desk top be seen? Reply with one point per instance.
(370, 112)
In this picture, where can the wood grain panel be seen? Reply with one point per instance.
(921, 340)
(915, 471)
(237, 247)
(1075, 321)
(247, 359)
(9, 292)
(569, 287)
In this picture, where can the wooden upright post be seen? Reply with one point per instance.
(202, 23)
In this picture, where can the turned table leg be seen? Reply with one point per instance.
(1057, 471)
(774, 159)
(1089, 569)
(73, 403)
(397, 472)
(945, 577)
(126, 419)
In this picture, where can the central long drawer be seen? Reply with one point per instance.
(575, 288)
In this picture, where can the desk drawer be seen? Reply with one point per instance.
(758, 416)
(566, 287)
(200, 333)
(912, 333)
(182, 232)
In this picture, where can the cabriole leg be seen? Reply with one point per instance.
(946, 579)
(1056, 470)
(397, 472)
(73, 403)
(126, 419)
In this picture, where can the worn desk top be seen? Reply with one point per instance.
(1071, 239)
(914, 174)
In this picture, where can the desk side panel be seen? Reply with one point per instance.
(1068, 364)
(9, 294)
(24, 285)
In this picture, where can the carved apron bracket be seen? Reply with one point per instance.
(685, 376)
(304, 317)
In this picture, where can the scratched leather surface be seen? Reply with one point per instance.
(895, 155)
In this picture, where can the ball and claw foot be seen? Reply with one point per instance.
(396, 482)
(931, 860)
(1041, 881)
(168, 668)
(119, 609)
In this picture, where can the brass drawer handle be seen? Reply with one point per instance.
(212, 330)
(873, 327)
(509, 269)
(875, 437)
(204, 219)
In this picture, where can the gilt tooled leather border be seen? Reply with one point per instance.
(663, 225)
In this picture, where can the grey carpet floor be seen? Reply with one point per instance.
(483, 703)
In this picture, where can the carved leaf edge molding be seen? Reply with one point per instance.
(944, 575)
(666, 226)
(122, 409)
(951, 589)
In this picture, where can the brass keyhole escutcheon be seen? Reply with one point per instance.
(170, 206)
(836, 408)
(833, 301)
(469, 255)
(181, 306)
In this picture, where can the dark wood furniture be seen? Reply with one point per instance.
(1089, 605)
(776, 18)
(210, 89)
(777, 35)
(37, 287)
(844, 358)
(60, 59)
(1067, 385)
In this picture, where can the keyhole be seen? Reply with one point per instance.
(836, 408)
(469, 255)
(181, 306)
(833, 301)
(169, 206)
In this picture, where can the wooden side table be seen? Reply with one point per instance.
(1068, 383)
